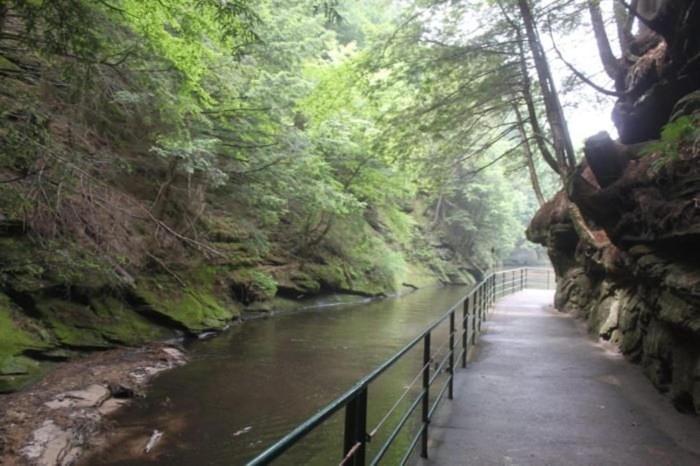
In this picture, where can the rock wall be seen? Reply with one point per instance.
(624, 236)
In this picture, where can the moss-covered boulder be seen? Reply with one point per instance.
(293, 282)
(17, 336)
(195, 306)
(252, 285)
(339, 276)
(105, 321)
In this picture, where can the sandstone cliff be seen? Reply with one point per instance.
(624, 236)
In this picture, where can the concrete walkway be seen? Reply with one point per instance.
(541, 392)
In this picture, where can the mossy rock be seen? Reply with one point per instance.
(456, 276)
(331, 277)
(657, 347)
(103, 323)
(420, 276)
(18, 335)
(679, 312)
(119, 323)
(295, 282)
(18, 371)
(196, 307)
(252, 285)
(342, 277)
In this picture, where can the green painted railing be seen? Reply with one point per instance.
(464, 331)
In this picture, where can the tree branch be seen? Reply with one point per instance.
(580, 75)
(610, 63)
(633, 11)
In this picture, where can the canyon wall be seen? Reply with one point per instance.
(624, 236)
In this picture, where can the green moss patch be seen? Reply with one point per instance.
(252, 285)
(195, 306)
(106, 321)
(420, 276)
(293, 282)
(17, 335)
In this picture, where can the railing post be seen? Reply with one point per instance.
(482, 306)
(472, 313)
(477, 311)
(356, 429)
(522, 279)
(450, 391)
(465, 331)
(527, 277)
(426, 395)
(489, 293)
(495, 287)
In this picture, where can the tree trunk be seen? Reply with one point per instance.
(647, 9)
(610, 63)
(563, 147)
(624, 21)
(534, 179)
(161, 200)
(532, 111)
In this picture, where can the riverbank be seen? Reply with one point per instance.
(66, 413)
(251, 385)
(54, 421)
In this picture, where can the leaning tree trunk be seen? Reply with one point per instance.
(563, 146)
(610, 62)
(532, 111)
(624, 21)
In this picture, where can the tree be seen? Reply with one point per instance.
(563, 146)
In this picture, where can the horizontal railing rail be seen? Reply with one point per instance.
(475, 307)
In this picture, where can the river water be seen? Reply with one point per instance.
(250, 386)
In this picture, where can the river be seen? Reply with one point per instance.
(249, 386)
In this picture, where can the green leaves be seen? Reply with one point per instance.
(321, 136)
(675, 137)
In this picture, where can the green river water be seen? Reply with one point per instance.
(249, 386)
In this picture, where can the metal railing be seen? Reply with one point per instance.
(475, 307)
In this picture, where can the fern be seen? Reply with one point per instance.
(680, 133)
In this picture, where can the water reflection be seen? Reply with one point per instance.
(247, 388)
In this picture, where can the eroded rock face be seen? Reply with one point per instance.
(647, 302)
(624, 237)
(666, 69)
(630, 264)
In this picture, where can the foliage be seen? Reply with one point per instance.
(152, 135)
(675, 137)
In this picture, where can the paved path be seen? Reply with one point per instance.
(541, 392)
